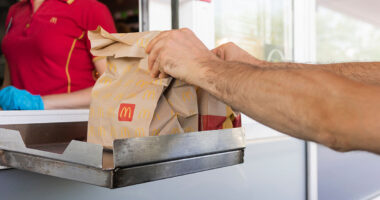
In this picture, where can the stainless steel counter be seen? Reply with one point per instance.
(274, 168)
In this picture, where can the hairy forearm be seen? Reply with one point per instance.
(78, 99)
(308, 104)
(365, 72)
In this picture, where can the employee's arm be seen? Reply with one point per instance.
(366, 72)
(309, 104)
(78, 99)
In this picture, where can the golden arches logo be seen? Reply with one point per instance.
(155, 132)
(142, 83)
(126, 112)
(144, 114)
(53, 20)
(188, 129)
(149, 94)
(111, 67)
(186, 95)
(158, 116)
(175, 130)
(139, 132)
(142, 42)
(125, 132)
(106, 80)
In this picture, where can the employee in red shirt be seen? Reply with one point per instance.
(48, 53)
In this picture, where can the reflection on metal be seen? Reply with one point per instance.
(157, 171)
(137, 160)
(76, 152)
(182, 146)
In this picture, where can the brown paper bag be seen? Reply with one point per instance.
(127, 102)
(214, 114)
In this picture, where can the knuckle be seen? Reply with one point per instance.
(185, 30)
(174, 33)
(230, 44)
(162, 56)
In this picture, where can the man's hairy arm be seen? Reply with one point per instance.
(312, 104)
(366, 72)
(308, 104)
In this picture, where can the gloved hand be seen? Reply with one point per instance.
(12, 98)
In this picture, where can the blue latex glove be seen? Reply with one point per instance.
(12, 98)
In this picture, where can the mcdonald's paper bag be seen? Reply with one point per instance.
(127, 102)
(178, 110)
(214, 114)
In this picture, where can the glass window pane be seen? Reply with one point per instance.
(345, 32)
(261, 27)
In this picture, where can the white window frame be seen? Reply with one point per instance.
(304, 50)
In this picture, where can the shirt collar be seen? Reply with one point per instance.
(67, 1)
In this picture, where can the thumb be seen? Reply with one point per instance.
(218, 51)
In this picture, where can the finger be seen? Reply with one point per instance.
(216, 51)
(151, 59)
(155, 69)
(219, 52)
(154, 54)
(155, 40)
(163, 75)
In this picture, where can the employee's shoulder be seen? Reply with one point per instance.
(89, 3)
(17, 6)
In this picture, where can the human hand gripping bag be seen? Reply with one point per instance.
(127, 102)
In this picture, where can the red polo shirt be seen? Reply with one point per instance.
(48, 51)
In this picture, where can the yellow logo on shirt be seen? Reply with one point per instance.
(53, 20)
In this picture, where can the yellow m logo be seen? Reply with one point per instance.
(126, 112)
(142, 83)
(186, 95)
(149, 94)
(139, 132)
(53, 20)
(144, 114)
(142, 42)
(111, 67)
(106, 80)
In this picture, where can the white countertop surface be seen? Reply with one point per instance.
(43, 116)
(254, 130)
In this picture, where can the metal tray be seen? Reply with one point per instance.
(58, 149)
